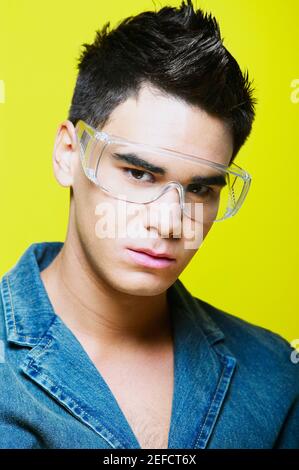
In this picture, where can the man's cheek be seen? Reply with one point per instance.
(117, 220)
(105, 226)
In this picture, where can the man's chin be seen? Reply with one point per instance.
(141, 283)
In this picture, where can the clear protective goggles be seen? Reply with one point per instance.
(139, 173)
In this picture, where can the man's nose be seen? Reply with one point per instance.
(166, 214)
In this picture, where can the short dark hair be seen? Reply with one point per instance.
(178, 51)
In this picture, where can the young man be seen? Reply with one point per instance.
(103, 346)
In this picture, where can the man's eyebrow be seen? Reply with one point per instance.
(136, 160)
(216, 180)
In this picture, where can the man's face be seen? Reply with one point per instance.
(164, 122)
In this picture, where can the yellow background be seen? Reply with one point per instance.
(248, 265)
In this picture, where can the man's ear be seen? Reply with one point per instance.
(65, 153)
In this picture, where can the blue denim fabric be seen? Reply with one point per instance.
(235, 385)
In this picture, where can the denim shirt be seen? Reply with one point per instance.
(235, 385)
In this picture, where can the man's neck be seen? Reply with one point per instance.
(97, 313)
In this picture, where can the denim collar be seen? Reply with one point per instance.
(203, 365)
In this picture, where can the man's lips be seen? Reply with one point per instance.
(146, 259)
(153, 253)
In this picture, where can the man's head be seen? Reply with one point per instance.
(165, 79)
(177, 50)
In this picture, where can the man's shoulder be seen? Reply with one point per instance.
(236, 328)
(256, 348)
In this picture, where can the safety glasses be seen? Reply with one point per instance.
(140, 174)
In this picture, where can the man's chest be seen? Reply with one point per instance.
(144, 393)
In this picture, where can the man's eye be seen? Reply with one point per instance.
(135, 174)
(199, 189)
